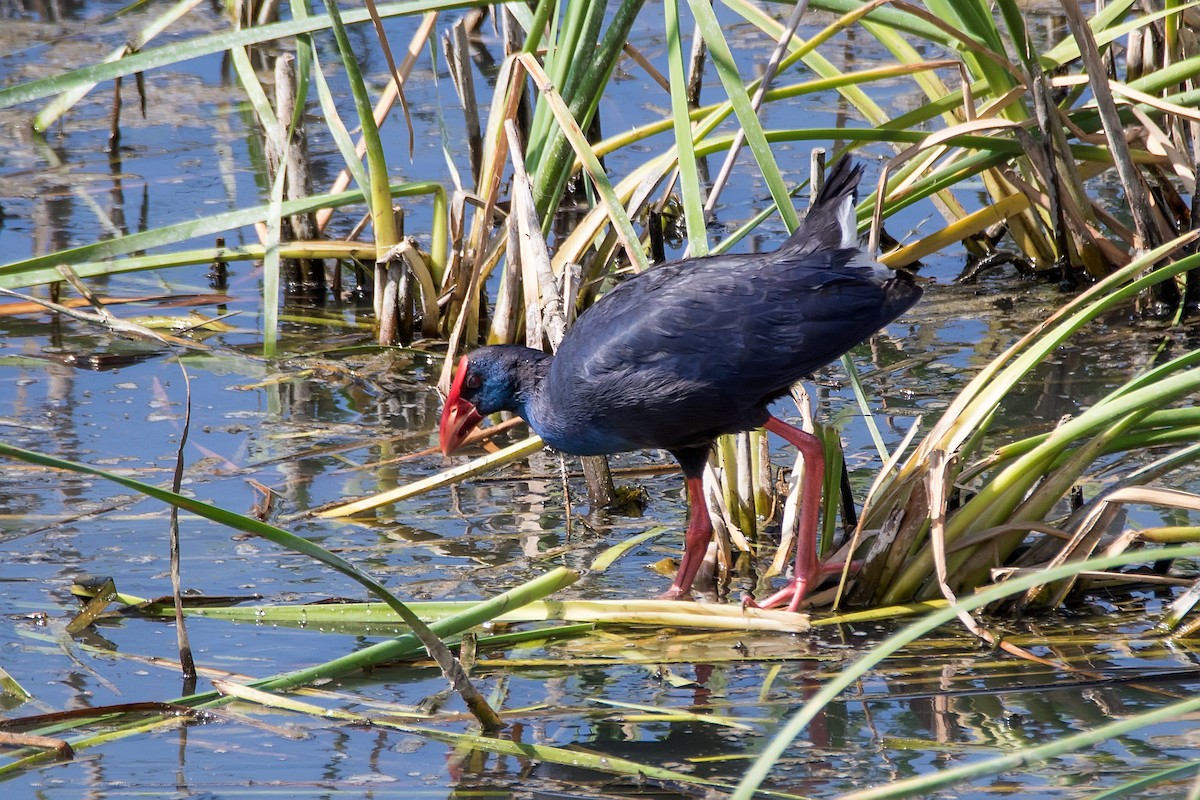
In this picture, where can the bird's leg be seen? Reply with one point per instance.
(808, 568)
(695, 541)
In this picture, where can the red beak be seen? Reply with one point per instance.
(459, 417)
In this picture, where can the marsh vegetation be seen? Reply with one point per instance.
(245, 247)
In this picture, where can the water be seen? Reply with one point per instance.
(315, 432)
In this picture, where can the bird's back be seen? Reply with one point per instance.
(692, 349)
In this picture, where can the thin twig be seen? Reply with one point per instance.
(181, 634)
(118, 326)
(1114, 129)
(397, 76)
(768, 76)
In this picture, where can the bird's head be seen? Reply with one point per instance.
(488, 380)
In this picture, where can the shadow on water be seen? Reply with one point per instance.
(318, 429)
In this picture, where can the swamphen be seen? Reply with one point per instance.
(687, 351)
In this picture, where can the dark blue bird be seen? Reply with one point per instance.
(687, 351)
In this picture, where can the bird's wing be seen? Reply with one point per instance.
(705, 344)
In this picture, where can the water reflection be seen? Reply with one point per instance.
(317, 429)
(57, 11)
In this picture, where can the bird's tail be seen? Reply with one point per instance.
(830, 221)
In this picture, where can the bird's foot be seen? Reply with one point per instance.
(792, 594)
(675, 593)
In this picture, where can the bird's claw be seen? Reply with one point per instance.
(792, 594)
(749, 602)
(675, 593)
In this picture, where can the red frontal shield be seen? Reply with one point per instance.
(459, 417)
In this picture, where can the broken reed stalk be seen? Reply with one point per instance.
(510, 31)
(695, 72)
(303, 278)
(390, 277)
(544, 313)
(114, 122)
(456, 48)
(401, 274)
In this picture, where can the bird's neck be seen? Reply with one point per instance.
(530, 379)
(538, 404)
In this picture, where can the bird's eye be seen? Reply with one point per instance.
(474, 381)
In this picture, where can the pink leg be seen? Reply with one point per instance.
(695, 542)
(807, 567)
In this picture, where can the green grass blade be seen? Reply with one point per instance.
(654, 613)
(206, 46)
(401, 647)
(337, 129)
(923, 785)
(591, 164)
(216, 514)
(775, 750)
(63, 102)
(1131, 788)
(87, 260)
(380, 200)
(735, 88)
(689, 177)
(271, 263)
